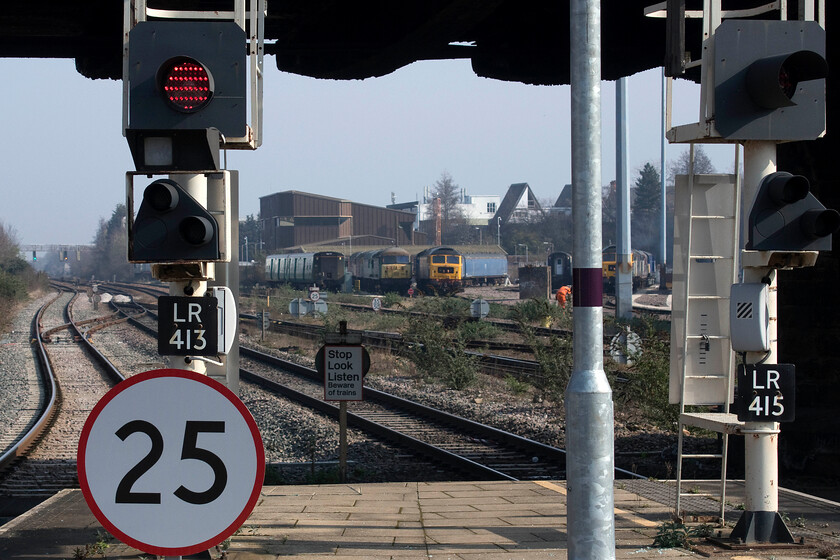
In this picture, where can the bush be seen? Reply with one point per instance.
(479, 330)
(649, 377)
(556, 358)
(538, 311)
(440, 354)
(447, 306)
(391, 300)
(12, 287)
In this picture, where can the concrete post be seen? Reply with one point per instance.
(760, 521)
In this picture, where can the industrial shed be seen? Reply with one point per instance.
(294, 218)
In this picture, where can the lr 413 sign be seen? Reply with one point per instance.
(188, 326)
(766, 393)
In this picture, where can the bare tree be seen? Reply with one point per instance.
(681, 165)
(108, 257)
(449, 194)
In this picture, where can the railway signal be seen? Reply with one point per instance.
(787, 217)
(171, 226)
(769, 80)
(187, 90)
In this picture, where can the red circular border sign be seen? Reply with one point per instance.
(83, 468)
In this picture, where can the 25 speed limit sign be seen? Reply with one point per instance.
(171, 462)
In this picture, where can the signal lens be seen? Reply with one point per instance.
(186, 84)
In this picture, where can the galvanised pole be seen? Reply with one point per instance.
(623, 252)
(663, 231)
(589, 407)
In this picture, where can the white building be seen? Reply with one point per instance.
(478, 210)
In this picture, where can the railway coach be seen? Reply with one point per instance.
(324, 269)
(484, 269)
(560, 264)
(381, 270)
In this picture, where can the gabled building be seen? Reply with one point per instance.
(519, 206)
(563, 204)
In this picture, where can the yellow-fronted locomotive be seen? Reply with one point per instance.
(381, 270)
(439, 271)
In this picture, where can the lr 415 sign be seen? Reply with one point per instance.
(766, 393)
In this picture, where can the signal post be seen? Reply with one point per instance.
(186, 85)
(763, 84)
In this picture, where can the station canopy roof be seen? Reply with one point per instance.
(514, 40)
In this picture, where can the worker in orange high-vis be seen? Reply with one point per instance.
(562, 294)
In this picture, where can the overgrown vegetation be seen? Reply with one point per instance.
(440, 353)
(97, 548)
(555, 356)
(441, 343)
(539, 311)
(647, 386)
(672, 534)
(17, 277)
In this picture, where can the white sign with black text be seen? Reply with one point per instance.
(170, 462)
(343, 375)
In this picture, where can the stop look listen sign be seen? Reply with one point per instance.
(171, 462)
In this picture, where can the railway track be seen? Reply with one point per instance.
(43, 460)
(476, 450)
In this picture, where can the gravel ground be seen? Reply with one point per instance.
(296, 438)
(18, 376)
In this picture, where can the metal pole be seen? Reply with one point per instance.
(342, 441)
(663, 231)
(589, 407)
(760, 521)
(623, 270)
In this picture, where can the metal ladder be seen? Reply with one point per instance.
(702, 361)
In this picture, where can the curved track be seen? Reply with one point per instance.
(43, 461)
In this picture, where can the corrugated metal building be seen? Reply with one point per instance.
(294, 218)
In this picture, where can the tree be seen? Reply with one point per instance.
(646, 209)
(449, 194)
(250, 228)
(109, 257)
(647, 196)
(682, 165)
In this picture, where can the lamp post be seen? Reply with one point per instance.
(246, 248)
(499, 231)
(480, 240)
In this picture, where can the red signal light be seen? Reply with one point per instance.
(186, 84)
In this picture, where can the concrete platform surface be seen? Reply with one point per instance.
(403, 521)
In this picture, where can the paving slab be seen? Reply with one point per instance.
(438, 521)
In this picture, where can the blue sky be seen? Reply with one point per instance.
(65, 159)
